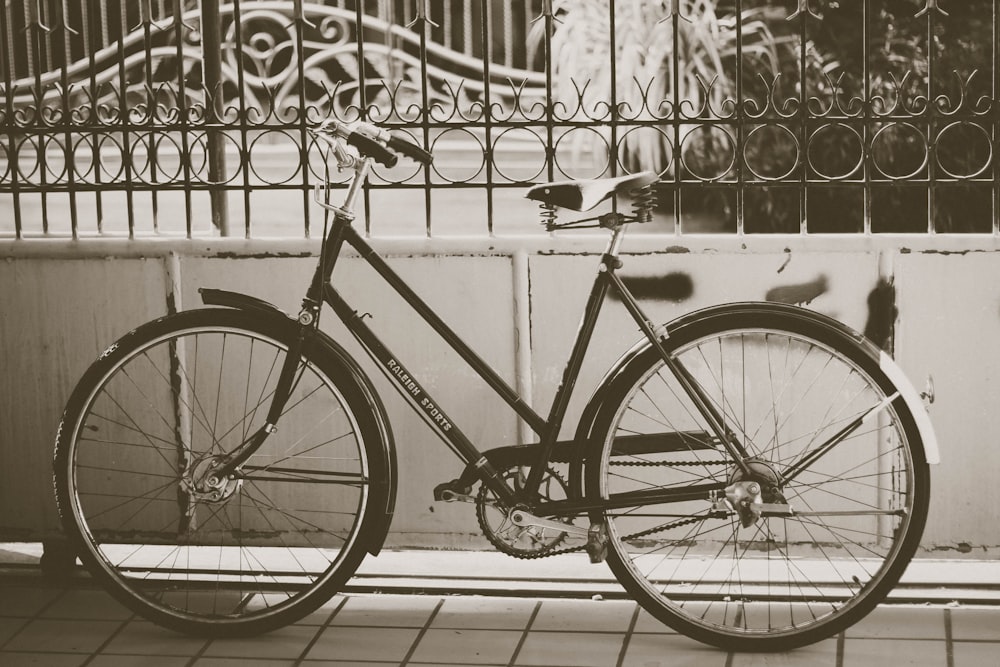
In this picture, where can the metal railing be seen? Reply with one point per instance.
(175, 117)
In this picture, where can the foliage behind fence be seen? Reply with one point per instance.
(804, 116)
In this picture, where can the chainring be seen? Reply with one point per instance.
(520, 541)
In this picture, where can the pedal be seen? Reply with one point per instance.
(597, 542)
(453, 491)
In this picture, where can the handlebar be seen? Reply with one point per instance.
(373, 142)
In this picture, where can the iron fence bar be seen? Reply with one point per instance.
(803, 116)
(363, 104)
(425, 107)
(613, 93)
(929, 134)
(488, 116)
(550, 157)
(8, 72)
(91, 28)
(866, 153)
(146, 20)
(675, 16)
(70, 163)
(740, 123)
(33, 29)
(184, 118)
(995, 105)
(237, 20)
(300, 22)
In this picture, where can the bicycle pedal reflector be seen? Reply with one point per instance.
(597, 542)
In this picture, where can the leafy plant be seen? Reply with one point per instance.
(643, 85)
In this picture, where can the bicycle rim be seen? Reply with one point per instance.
(782, 579)
(247, 554)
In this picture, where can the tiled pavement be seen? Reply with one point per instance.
(41, 624)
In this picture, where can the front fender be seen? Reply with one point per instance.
(383, 453)
(608, 391)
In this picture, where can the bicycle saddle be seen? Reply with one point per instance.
(583, 195)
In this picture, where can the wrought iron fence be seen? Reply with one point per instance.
(794, 116)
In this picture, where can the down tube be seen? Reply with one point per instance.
(422, 402)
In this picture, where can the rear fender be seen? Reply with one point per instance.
(383, 473)
(607, 391)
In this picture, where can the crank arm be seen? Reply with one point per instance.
(525, 519)
(449, 496)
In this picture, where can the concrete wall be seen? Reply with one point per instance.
(518, 304)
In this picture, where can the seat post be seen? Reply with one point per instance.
(615, 242)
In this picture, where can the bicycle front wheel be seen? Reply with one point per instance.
(844, 484)
(133, 474)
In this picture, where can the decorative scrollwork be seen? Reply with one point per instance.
(706, 94)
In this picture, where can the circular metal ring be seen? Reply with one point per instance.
(987, 141)
(645, 141)
(815, 139)
(454, 173)
(572, 148)
(760, 130)
(521, 171)
(151, 170)
(708, 129)
(874, 153)
(272, 143)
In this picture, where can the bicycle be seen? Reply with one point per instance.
(756, 475)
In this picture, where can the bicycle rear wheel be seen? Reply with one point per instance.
(810, 405)
(136, 447)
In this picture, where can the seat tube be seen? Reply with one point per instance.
(609, 262)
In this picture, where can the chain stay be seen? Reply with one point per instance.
(641, 533)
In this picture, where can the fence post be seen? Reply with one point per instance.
(211, 45)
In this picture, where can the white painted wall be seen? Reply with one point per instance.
(61, 305)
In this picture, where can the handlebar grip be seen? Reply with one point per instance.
(372, 149)
(410, 150)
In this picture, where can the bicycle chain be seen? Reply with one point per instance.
(672, 464)
(641, 533)
(677, 524)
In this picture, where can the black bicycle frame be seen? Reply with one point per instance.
(548, 428)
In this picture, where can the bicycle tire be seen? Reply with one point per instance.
(146, 423)
(784, 384)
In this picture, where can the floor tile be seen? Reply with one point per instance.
(581, 649)
(584, 616)
(322, 615)
(286, 643)
(136, 661)
(145, 638)
(347, 643)
(63, 636)
(976, 654)
(973, 623)
(242, 662)
(820, 654)
(87, 603)
(386, 611)
(661, 650)
(900, 623)
(24, 600)
(42, 659)
(470, 646)
(484, 613)
(10, 627)
(647, 623)
(895, 653)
